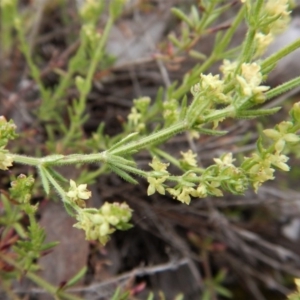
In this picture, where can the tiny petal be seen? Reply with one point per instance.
(71, 194)
(150, 190)
(272, 134)
(104, 229)
(291, 138)
(279, 145)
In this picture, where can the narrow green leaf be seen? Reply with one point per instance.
(123, 141)
(180, 15)
(197, 55)
(254, 113)
(210, 131)
(20, 230)
(175, 41)
(115, 159)
(122, 174)
(220, 276)
(159, 97)
(45, 181)
(76, 278)
(49, 246)
(206, 295)
(280, 89)
(69, 209)
(195, 15)
(57, 176)
(183, 108)
(116, 294)
(259, 146)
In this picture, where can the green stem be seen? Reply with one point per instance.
(77, 159)
(151, 139)
(222, 45)
(247, 52)
(26, 160)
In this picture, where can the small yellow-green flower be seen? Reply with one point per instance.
(142, 104)
(263, 41)
(261, 171)
(78, 192)
(214, 86)
(159, 166)
(183, 194)
(279, 11)
(279, 160)
(134, 116)
(98, 224)
(228, 68)
(280, 135)
(202, 190)
(190, 158)
(155, 184)
(186, 193)
(225, 160)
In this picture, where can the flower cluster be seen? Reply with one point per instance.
(7, 131)
(90, 10)
(278, 12)
(261, 165)
(21, 189)
(98, 224)
(210, 85)
(183, 193)
(221, 176)
(249, 80)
